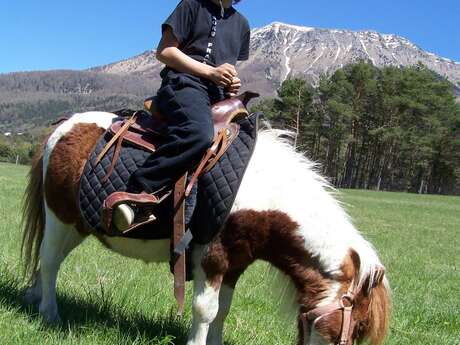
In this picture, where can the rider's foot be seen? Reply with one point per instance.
(123, 217)
(124, 211)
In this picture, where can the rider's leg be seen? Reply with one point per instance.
(190, 134)
(186, 108)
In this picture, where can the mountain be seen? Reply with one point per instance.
(32, 99)
(279, 51)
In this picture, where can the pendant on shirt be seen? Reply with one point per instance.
(222, 9)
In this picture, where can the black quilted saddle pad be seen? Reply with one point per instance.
(206, 209)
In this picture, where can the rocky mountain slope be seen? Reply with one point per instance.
(279, 51)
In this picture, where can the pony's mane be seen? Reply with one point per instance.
(280, 177)
(365, 249)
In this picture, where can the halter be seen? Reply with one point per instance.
(345, 304)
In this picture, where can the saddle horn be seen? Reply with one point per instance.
(246, 97)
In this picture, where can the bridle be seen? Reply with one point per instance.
(344, 304)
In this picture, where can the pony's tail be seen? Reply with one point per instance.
(380, 310)
(33, 216)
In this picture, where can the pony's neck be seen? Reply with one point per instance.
(287, 252)
(273, 236)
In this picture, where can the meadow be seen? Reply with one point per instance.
(108, 299)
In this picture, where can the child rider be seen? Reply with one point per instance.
(201, 42)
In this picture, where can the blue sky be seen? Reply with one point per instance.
(52, 34)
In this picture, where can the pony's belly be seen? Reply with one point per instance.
(147, 251)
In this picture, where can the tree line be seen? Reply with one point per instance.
(390, 128)
(18, 149)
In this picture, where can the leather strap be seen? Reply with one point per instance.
(223, 145)
(179, 231)
(204, 161)
(345, 304)
(118, 137)
(142, 200)
(347, 329)
(316, 314)
(116, 155)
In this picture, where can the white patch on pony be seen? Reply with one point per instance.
(102, 119)
(331, 294)
(148, 251)
(279, 178)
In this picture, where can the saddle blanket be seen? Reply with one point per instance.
(207, 208)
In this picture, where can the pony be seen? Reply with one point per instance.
(285, 213)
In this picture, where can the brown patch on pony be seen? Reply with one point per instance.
(66, 164)
(33, 218)
(372, 307)
(270, 236)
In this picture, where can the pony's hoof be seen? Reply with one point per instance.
(50, 318)
(31, 297)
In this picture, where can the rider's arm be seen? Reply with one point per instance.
(169, 53)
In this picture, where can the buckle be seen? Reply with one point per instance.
(346, 301)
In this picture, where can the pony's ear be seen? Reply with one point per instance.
(379, 274)
(356, 261)
(374, 279)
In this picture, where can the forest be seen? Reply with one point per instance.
(391, 128)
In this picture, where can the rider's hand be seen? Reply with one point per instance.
(234, 87)
(223, 75)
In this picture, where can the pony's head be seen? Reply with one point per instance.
(360, 311)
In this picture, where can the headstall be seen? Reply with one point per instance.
(345, 304)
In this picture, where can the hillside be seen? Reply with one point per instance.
(279, 51)
(32, 99)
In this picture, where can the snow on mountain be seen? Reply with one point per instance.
(279, 51)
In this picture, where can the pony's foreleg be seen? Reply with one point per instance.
(205, 300)
(216, 329)
(58, 241)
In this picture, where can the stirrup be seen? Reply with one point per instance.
(137, 209)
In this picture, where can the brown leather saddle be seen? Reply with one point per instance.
(146, 132)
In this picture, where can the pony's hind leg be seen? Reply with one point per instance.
(33, 294)
(58, 241)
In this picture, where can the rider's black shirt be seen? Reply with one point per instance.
(193, 23)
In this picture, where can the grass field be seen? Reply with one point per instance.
(107, 299)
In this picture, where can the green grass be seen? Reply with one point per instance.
(108, 299)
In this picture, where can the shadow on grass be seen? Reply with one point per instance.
(78, 313)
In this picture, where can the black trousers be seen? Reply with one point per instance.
(185, 101)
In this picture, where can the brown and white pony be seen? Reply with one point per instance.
(283, 214)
